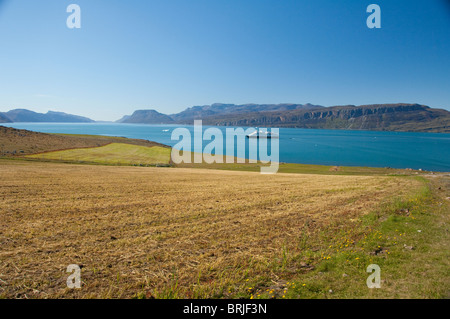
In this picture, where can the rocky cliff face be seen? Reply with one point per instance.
(389, 117)
(395, 117)
(350, 112)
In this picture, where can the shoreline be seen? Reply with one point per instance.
(224, 126)
(102, 140)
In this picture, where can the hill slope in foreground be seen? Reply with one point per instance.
(23, 142)
(143, 232)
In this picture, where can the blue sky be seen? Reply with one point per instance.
(172, 54)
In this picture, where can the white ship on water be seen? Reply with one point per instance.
(262, 134)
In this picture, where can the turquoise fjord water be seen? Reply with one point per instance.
(427, 151)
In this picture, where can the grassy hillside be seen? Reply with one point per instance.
(15, 142)
(114, 153)
(175, 233)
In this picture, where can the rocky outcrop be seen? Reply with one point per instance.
(147, 117)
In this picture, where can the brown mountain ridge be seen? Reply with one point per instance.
(380, 117)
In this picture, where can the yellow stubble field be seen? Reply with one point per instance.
(168, 232)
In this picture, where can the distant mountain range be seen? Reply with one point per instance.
(385, 117)
(4, 119)
(381, 117)
(22, 115)
(218, 109)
